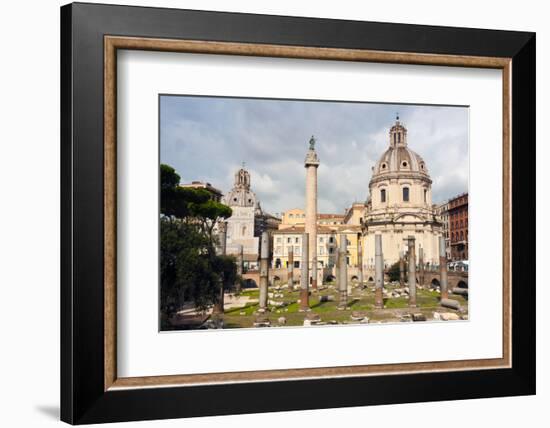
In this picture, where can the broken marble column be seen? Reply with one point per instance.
(222, 240)
(304, 277)
(378, 272)
(401, 269)
(337, 264)
(443, 282)
(290, 268)
(264, 271)
(421, 265)
(343, 272)
(412, 272)
(240, 261)
(360, 260)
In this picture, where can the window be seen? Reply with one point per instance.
(425, 195)
(296, 240)
(404, 164)
(296, 250)
(461, 235)
(288, 240)
(383, 195)
(399, 137)
(279, 240)
(394, 138)
(347, 261)
(405, 194)
(278, 250)
(296, 264)
(331, 250)
(321, 240)
(291, 215)
(321, 250)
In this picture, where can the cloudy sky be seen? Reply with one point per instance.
(208, 138)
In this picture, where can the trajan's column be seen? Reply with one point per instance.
(311, 164)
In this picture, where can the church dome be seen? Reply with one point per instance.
(399, 160)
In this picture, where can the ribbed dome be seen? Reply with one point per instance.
(398, 158)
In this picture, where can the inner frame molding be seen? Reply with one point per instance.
(113, 43)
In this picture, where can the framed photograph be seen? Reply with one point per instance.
(291, 213)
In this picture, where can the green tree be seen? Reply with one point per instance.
(190, 268)
(393, 272)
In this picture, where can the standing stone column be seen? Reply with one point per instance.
(311, 164)
(360, 259)
(378, 272)
(421, 265)
(290, 268)
(337, 265)
(401, 269)
(240, 260)
(443, 269)
(264, 271)
(412, 272)
(222, 237)
(304, 277)
(343, 273)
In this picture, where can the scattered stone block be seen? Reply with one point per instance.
(450, 303)
(357, 315)
(311, 319)
(262, 321)
(418, 317)
(446, 316)
(281, 320)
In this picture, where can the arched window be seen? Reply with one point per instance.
(383, 195)
(405, 194)
(425, 195)
(461, 235)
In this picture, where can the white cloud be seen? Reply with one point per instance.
(208, 138)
